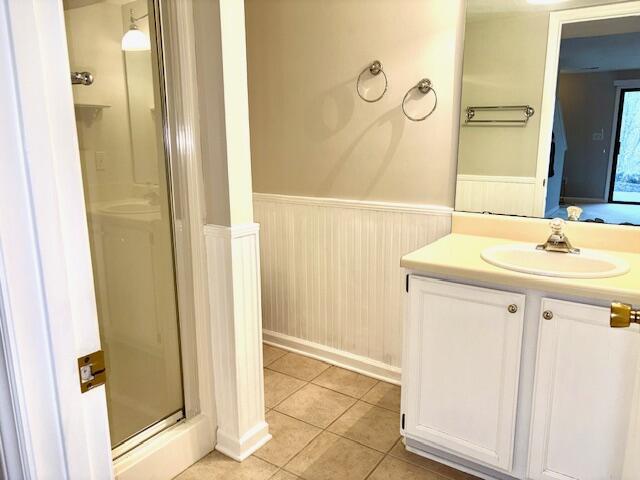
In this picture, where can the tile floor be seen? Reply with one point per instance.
(327, 424)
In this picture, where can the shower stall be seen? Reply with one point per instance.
(117, 77)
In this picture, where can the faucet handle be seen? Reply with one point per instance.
(557, 224)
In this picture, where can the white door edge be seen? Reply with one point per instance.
(50, 316)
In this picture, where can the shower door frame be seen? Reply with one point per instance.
(47, 407)
(176, 61)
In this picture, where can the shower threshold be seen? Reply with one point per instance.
(148, 433)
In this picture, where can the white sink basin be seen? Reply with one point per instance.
(131, 207)
(523, 257)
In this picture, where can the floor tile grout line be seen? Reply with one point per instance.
(329, 366)
(337, 391)
(324, 370)
(375, 468)
(372, 386)
(326, 429)
(322, 430)
(311, 424)
(384, 454)
(396, 457)
(292, 393)
(353, 405)
(284, 352)
(303, 447)
(265, 365)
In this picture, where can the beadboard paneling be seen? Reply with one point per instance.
(508, 195)
(331, 269)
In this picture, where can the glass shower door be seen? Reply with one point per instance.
(119, 121)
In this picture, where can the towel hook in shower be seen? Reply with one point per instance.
(374, 68)
(81, 78)
(424, 86)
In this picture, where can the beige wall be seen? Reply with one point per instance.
(310, 133)
(504, 60)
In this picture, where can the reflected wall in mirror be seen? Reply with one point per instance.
(550, 115)
(142, 113)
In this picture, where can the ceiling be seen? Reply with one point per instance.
(600, 53)
(598, 28)
(69, 4)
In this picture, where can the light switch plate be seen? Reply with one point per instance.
(100, 161)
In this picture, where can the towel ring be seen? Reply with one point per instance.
(424, 86)
(375, 68)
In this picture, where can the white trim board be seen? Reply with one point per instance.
(357, 204)
(339, 358)
(496, 179)
(233, 265)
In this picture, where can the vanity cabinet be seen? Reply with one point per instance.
(461, 369)
(583, 393)
(519, 386)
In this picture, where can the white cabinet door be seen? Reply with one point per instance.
(584, 385)
(461, 369)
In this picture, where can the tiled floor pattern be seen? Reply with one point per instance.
(327, 424)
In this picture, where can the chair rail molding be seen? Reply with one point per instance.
(233, 264)
(332, 286)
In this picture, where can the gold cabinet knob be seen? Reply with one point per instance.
(513, 308)
(623, 315)
(547, 315)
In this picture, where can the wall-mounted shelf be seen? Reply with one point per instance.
(91, 106)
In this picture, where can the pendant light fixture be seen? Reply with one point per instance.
(134, 39)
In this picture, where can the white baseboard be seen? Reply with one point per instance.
(339, 358)
(577, 200)
(245, 446)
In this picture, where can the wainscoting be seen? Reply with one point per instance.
(332, 286)
(509, 195)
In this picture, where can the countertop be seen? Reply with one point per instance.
(458, 255)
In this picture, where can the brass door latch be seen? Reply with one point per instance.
(92, 371)
(623, 315)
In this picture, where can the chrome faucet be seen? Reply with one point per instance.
(558, 241)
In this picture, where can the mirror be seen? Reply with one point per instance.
(550, 110)
(141, 101)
